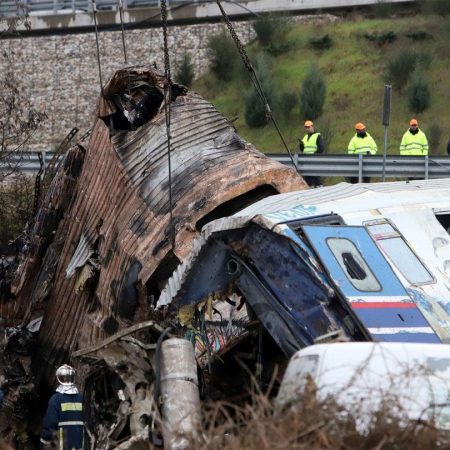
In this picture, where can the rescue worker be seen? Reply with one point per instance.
(311, 143)
(361, 143)
(414, 141)
(64, 416)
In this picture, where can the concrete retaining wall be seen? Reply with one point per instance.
(60, 73)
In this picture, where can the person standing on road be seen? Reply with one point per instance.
(362, 143)
(414, 141)
(311, 143)
(64, 417)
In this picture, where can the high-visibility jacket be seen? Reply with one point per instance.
(310, 142)
(362, 145)
(65, 416)
(414, 144)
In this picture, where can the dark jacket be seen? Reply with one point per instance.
(65, 416)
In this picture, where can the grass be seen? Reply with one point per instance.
(354, 69)
(310, 424)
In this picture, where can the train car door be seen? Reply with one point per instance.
(367, 283)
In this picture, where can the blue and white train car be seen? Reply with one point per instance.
(369, 260)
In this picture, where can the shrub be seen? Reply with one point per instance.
(438, 7)
(434, 135)
(382, 8)
(383, 38)
(400, 66)
(313, 94)
(278, 48)
(418, 93)
(185, 72)
(288, 100)
(326, 130)
(265, 29)
(16, 198)
(271, 30)
(423, 60)
(321, 43)
(419, 35)
(223, 56)
(255, 109)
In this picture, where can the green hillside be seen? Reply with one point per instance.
(355, 73)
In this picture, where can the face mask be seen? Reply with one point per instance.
(361, 134)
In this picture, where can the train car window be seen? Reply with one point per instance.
(353, 264)
(444, 220)
(399, 252)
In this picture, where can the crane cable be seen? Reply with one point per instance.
(167, 100)
(123, 32)
(254, 78)
(94, 10)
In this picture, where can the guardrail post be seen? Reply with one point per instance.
(386, 116)
(426, 167)
(360, 167)
(296, 161)
(44, 160)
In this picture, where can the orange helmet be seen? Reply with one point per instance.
(360, 126)
(413, 122)
(309, 123)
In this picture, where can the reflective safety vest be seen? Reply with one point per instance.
(64, 416)
(310, 142)
(414, 144)
(363, 145)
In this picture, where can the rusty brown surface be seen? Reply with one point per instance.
(113, 237)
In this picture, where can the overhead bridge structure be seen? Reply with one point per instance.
(62, 16)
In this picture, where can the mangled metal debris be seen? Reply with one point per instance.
(124, 254)
(116, 223)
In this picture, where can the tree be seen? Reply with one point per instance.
(255, 108)
(272, 29)
(18, 119)
(418, 93)
(223, 56)
(185, 73)
(313, 94)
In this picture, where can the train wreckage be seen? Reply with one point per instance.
(222, 248)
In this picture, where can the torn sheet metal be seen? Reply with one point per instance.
(125, 363)
(279, 285)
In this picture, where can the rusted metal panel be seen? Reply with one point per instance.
(114, 237)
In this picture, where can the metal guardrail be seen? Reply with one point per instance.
(424, 167)
(11, 8)
(27, 162)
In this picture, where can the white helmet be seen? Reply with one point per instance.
(65, 375)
